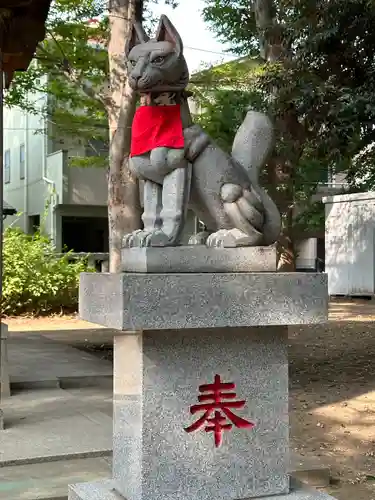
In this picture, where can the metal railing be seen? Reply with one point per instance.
(98, 261)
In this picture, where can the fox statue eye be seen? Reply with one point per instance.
(158, 60)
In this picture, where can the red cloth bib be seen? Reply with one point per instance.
(155, 127)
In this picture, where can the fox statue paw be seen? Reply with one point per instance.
(135, 239)
(231, 238)
(143, 238)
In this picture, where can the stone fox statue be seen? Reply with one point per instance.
(182, 167)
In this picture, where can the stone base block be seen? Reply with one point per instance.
(310, 470)
(302, 494)
(104, 491)
(101, 490)
(164, 449)
(4, 363)
(130, 301)
(198, 259)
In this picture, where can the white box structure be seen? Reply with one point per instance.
(350, 244)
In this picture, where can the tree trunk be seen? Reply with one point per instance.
(123, 190)
(280, 171)
(286, 244)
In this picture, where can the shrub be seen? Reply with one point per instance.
(35, 280)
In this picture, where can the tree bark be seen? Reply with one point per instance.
(123, 189)
(273, 47)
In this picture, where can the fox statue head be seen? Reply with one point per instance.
(156, 65)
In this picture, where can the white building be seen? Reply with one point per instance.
(39, 182)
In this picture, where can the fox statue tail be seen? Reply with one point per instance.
(252, 146)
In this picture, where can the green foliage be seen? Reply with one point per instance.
(35, 280)
(232, 21)
(70, 60)
(222, 115)
(72, 67)
(312, 217)
(321, 95)
(329, 78)
(361, 174)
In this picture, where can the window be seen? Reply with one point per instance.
(96, 147)
(22, 161)
(7, 166)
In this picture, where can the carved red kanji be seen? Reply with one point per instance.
(217, 410)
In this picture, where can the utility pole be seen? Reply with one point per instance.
(1, 177)
(3, 368)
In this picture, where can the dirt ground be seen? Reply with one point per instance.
(332, 388)
(332, 396)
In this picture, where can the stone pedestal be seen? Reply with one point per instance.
(105, 490)
(157, 379)
(130, 301)
(4, 364)
(182, 336)
(198, 259)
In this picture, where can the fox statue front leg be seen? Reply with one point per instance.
(167, 177)
(175, 189)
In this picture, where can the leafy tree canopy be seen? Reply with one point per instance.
(321, 90)
(71, 66)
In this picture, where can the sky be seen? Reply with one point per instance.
(200, 45)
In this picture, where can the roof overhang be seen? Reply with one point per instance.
(22, 28)
(8, 209)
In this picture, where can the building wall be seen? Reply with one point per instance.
(26, 194)
(49, 182)
(86, 186)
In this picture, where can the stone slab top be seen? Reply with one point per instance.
(136, 301)
(199, 259)
(341, 198)
(104, 490)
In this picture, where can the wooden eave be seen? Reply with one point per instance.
(22, 28)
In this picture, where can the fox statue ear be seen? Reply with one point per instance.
(138, 36)
(167, 33)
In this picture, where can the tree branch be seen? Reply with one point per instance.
(74, 77)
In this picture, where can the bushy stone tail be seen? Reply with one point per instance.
(252, 146)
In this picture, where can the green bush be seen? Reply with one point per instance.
(35, 280)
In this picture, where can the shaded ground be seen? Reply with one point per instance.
(332, 388)
(332, 396)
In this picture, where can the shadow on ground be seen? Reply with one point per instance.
(332, 398)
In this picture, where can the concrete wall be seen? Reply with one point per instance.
(76, 185)
(307, 253)
(55, 173)
(85, 186)
(49, 181)
(21, 128)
